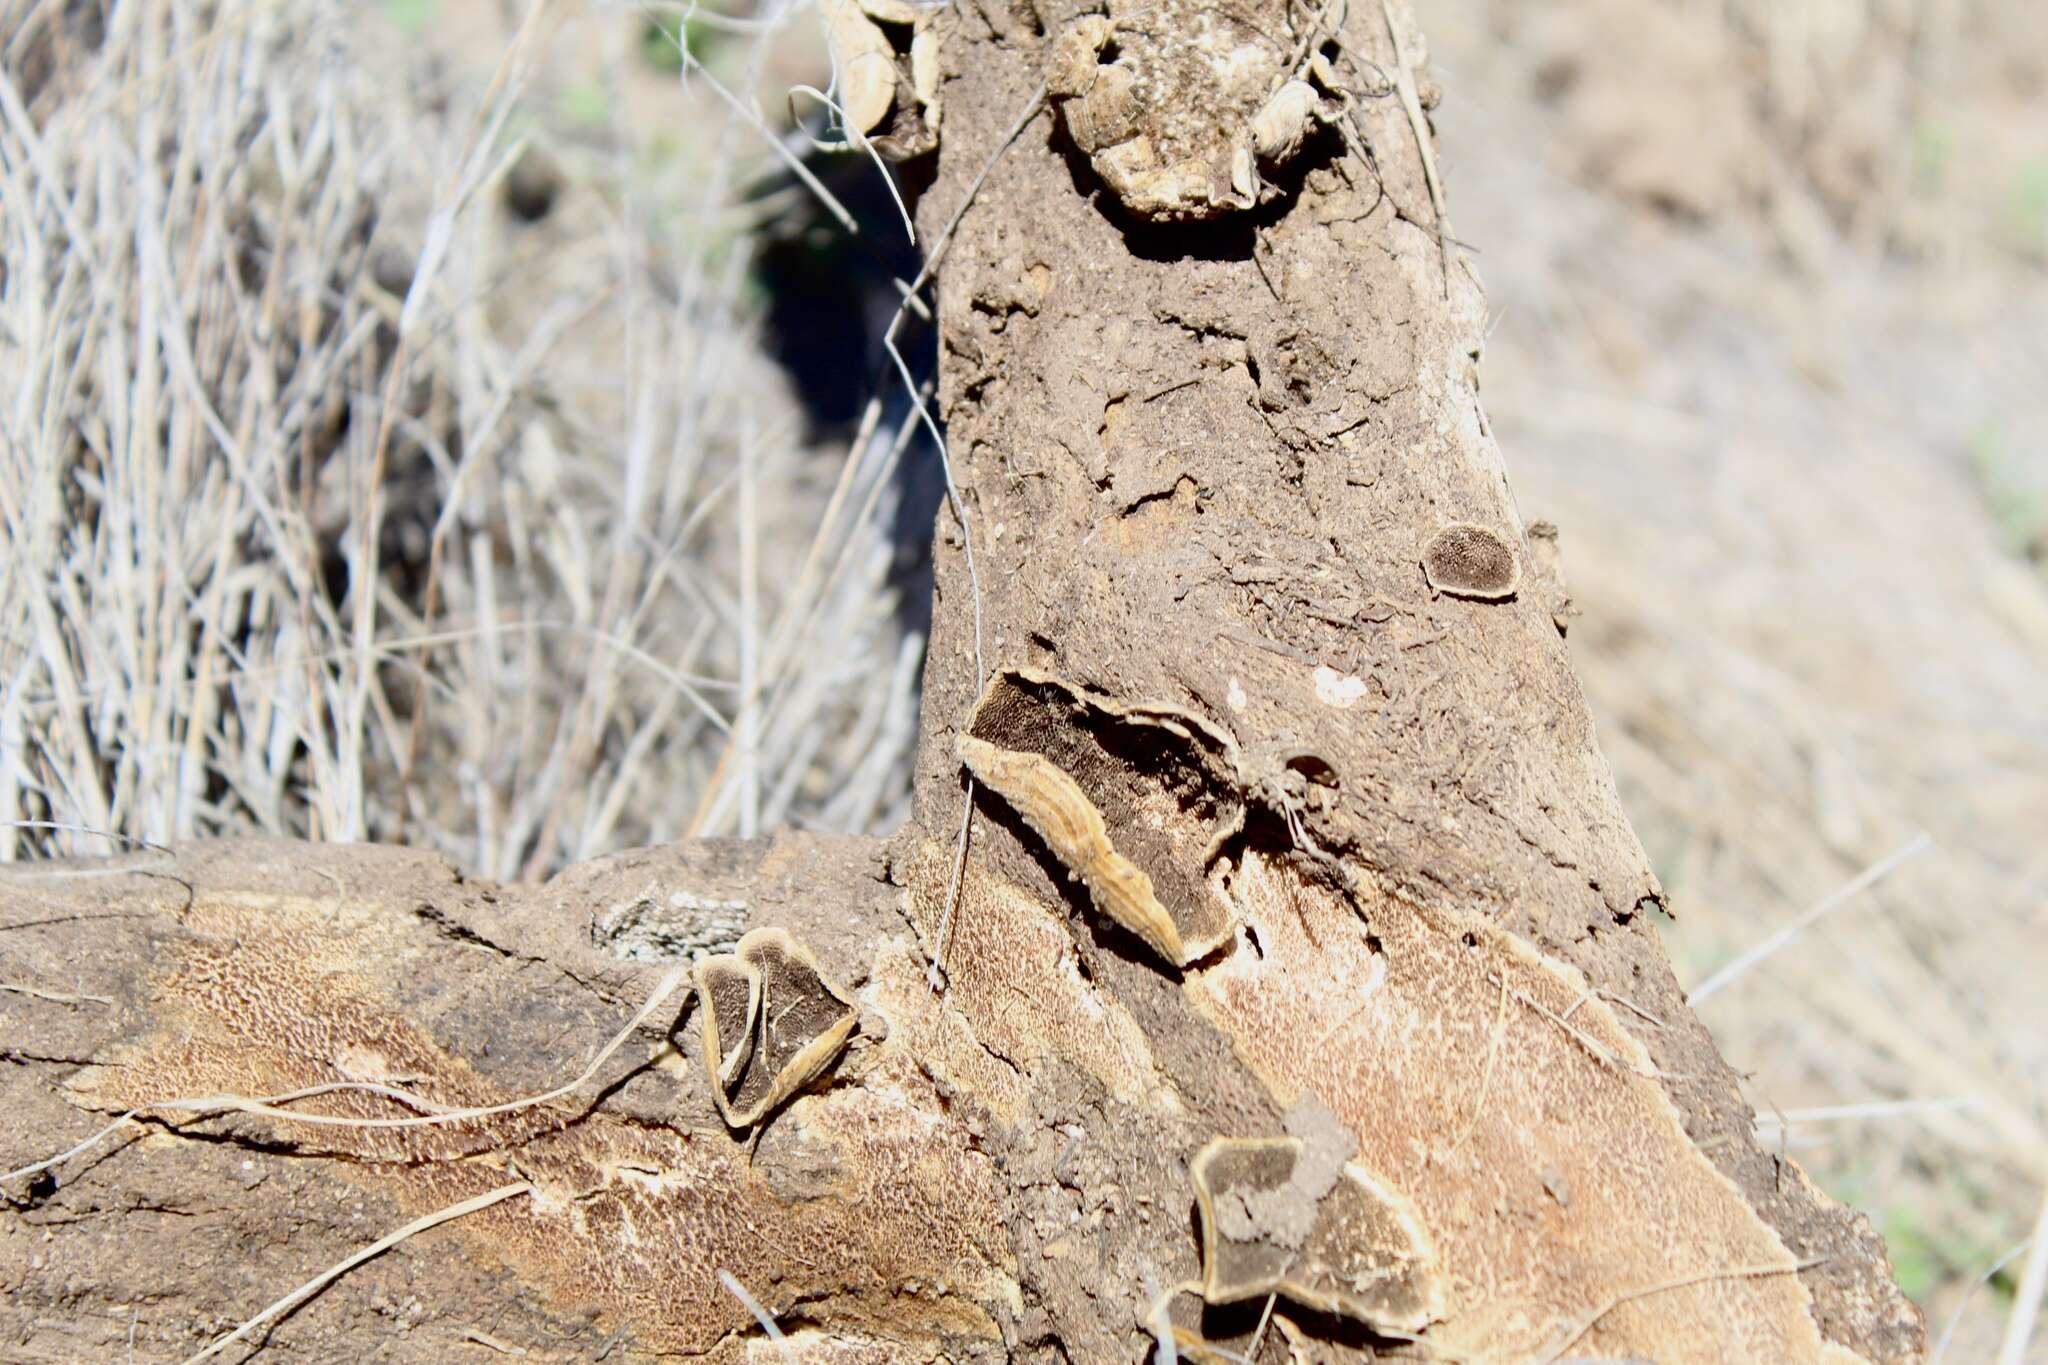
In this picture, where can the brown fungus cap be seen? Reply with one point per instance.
(1466, 560)
(730, 994)
(1131, 800)
(1356, 1248)
(792, 1023)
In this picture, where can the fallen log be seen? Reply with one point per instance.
(1268, 971)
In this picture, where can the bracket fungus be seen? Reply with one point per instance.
(772, 1022)
(1133, 801)
(729, 992)
(865, 62)
(1276, 1220)
(1169, 159)
(876, 77)
(1467, 560)
(1283, 121)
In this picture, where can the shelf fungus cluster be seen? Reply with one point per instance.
(1134, 802)
(885, 54)
(1183, 107)
(772, 1023)
(1280, 1216)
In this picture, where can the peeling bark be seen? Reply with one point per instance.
(1293, 863)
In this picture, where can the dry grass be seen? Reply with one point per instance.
(339, 504)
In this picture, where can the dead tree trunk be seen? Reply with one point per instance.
(1302, 997)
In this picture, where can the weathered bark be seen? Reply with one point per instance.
(1282, 832)
(257, 968)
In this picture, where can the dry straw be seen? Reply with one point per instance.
(334, 505)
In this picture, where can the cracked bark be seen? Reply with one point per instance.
(1200, 463)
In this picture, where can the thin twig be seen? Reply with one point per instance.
(87, 1145)
(953, 498)
(753, 1305)
(673, 979)
(1874, 1109)
(55, 997)
(1500, 1021)
(931, 265)
(789, 158)
(935, 972)
(2026, 1304)
(855, 142)
(1863, 880)
(268, 1106)
(370, 1252)
(1743, 1272)
(62, 828)
(1599, 1050)
(1411, 104)
(1259, 1332)
(1955, 1319)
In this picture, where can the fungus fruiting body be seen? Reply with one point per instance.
(1278, 1217)
(1133, 800)
(772, 1022)
(1467, 560)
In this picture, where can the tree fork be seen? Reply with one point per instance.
(1301, 998)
